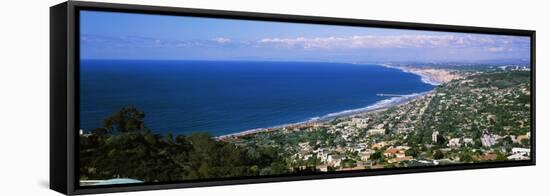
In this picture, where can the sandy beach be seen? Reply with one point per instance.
(376, 107)
(430, 76)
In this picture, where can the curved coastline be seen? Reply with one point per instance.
(382, 104)
(377, 106)
(426, 78)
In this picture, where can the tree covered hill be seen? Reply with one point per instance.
(125, 148)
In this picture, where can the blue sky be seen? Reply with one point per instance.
(110, 35)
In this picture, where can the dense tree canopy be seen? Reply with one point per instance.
(125, 148)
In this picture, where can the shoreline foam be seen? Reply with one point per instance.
(426, 78)
(431, 76)
(377, 106)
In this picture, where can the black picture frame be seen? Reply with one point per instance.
(64, 96)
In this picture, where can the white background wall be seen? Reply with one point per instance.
(24, 95)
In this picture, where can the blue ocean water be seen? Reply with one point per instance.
(223, 97)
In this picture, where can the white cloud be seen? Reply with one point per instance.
(495, 49)
(483, 43)
(221, 40)
(499, 49)
(390, 41)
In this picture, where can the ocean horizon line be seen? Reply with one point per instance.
(378, 103)
(413, 63)
(424, 78)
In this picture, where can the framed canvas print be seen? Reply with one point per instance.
(146, 97)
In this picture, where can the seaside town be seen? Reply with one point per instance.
(202, 99)
(473, 115)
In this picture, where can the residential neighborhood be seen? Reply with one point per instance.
(477, 116)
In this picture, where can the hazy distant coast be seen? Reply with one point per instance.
(428, 75)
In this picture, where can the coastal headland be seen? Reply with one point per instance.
(433, 76)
